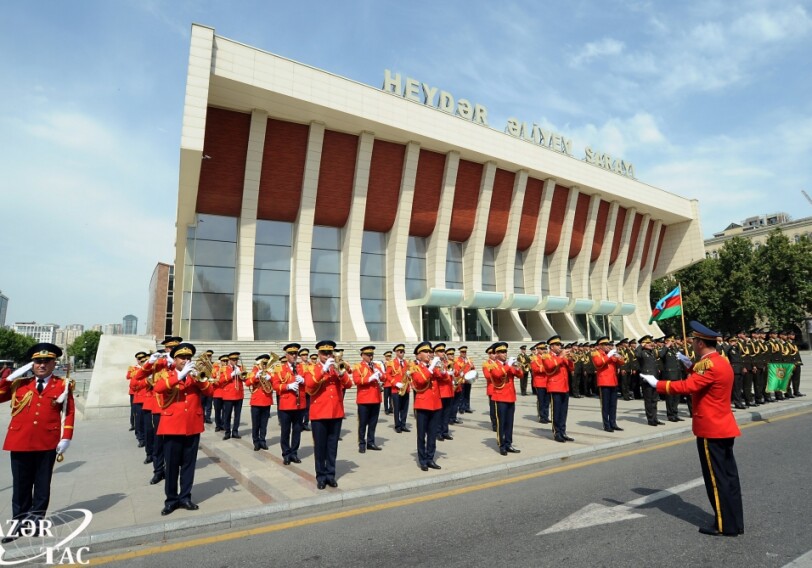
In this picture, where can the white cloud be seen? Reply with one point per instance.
(596, 50)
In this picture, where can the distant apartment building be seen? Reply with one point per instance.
(757, 229)
(67, 335)
(160, 303)
(130, 325)
(3, 309)
(113, 329)
(45, 332)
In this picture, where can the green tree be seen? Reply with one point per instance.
(783, 272)
(13, 345)
(84, 348)
(744, 302)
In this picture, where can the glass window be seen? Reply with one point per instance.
(488, 270)
(266, 330)
(454, 251)
(272, 257)
(373, 264)
(328, 238)
(326, 261)
(326, 330)
(325, 285)
(325, 309)
(415, 289)
(416, 247)
(374, 243)
(212, 306)
(276, 282)
(210, 330)
(374, 311)
(377, 331)
(545, 276)
(373, 288)
(416, 268)
(518, 273)
(274, 233)
(216, 228)
(213, 280)
(271, 308)
(215, 253)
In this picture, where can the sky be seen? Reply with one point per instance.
(708, 99)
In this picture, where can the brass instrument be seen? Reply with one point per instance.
(265, 367)
(204, 368)
(341, 365)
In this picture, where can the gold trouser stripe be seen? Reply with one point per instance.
(715, 489)
(498, 428)
(600, 397)
(552, 412)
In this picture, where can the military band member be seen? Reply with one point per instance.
(466, 386)
(427, 404)
(459, 368)
(672, 371)
(179, 396)
(41, 428)
(524, 361)
(578, 374)
(607, 360)
(647, 359)
(486, 372)
(445, 380)
(387, 385)
(233, 393)
(288, 382)
(306, 362)
(367, 377)
(503, 371)
(259, 381)
(326, 384)
(207, 400)
(557, 366)
(734, 356)
(540, 383)
(626, 368)
(760, 350)
(709, 384)
(396, 372)
(220, 372)
(795, 357)
(137, 397)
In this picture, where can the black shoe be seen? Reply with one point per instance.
(399, 430)
(140, 444)
(189, 506)
(789, 395)
(361, 449)
(559, 438)
(157, 478)
(306, 428)
(567, 438)
(617, 428)
(227, 436)
(169, 509)
(286, 461)
(218, 429)
(207, 420)
(256, 447)
(441, 438)
(263, 445)
(650, 423)
(469, 411)
(423, 467)
(660, 423)
(236, 436)
(332, 483)
(295, 459)
(132, 429)
(608, 429)
(713, 532)
(321, 485)
(672, 419)
(405, 429)
(513, 450)
(433, 465)
(799, 394)
(544, 420)
(448, 437)
(147, 460)
(503, 452)
(373, 447)
(680, 419)
(577, 396)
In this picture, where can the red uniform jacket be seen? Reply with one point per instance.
(217, 374)
(325, 390)
(179, 402)
(231, 387)
(461, 366)
(258, 396)
(137, 384)
(486, 372)
(606, 368)
(556, 368)
(445, 379)
(282, 377)
(502, 379)
(396, 373)
(130, 372)
(36, 419)
(427, 391)
(366, 392)
(141, 379)
(537, 371)
(709, 384)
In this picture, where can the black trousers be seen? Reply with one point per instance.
(650, 399)
(457, 405)
(559, 406)
(747, 386)
(31, 483)
(232, 409)
(132, 411)
(206, 401)
(180, 453)
(609, 406)
(218, 412)
(671, 406)
(543, 403)
(795, 381)
(722, 483)
(625, 386)
(428, 425)
(149, 432)
(158, 456)
(737, 395)
(291, 423)
(259, 423)
(306, 413)
(466, 396)
(367, 423)
(492, 412)
(400, 407)
(448, 407)
(504, 424)
(138, 409)
(325, 446)
(760, 383)
(523, 383)
(387, 400)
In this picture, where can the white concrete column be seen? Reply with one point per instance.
(559, 260)
(399, 325)
(582, 264)
(506, 251)
(301, 317)
(600, 272)
(617, 270)
(474, 249)
(633, 270)
(353, 327)
(534, 262)
(247, 235)
(642, 296)
(437, 245)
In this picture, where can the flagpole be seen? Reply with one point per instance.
(682, 317)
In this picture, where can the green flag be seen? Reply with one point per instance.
(778, 376)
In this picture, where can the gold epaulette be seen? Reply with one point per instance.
(545, 356)
(702, 365)
(595, 352)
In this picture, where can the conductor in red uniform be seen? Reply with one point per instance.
(607, 361)
(292, 406)
(710, 383)
(427, 404)
(36, 434)
(179, 398)
(503, 371)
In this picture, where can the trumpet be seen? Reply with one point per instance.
(341, 365)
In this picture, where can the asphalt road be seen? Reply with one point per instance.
(497, 523)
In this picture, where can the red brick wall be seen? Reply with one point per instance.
(621, 220)
(427, 189)
(385, 175)
(500, 207)
(466, 197)
(338, 156)
(579, 226)
(600, 230)
(558, 208)
(222, 174)
(283, 163)
(530, 213)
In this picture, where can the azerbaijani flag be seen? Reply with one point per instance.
(669, 306)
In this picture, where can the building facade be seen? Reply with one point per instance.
(757, 229)
(65, 336)
(313, 206)
(3, 309)
(42, 333)
(160, 303)
(129, 325)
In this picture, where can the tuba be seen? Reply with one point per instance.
(263, 375)
(204, 367)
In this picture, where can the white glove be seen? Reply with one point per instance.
(62, 446)
(169, 360)
(327, 364)
(236, 372)
(293, 387)
(434, 363)
(612, 353)
(299, 379)
(154, 357)
(511, 361)
(398, 386)
(20, 372)
(376, 377)
(650, 379)
(187, 368)
(684, 359)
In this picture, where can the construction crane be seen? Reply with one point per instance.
(809, 199)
